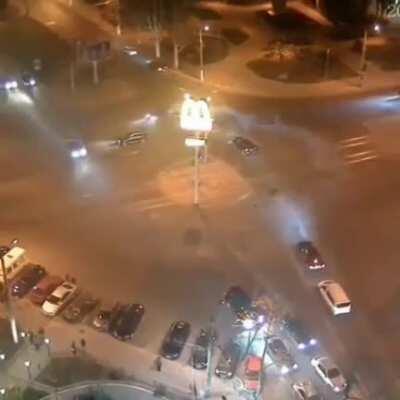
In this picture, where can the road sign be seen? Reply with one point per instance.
(194, 142)
(195, 115)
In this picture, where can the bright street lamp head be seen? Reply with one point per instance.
(207, 28)
(27, 363)
(377, 28)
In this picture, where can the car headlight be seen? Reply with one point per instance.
(284, 370)
(75, 153)
(313, 342)
(336, 389)
(301, 346)
(295, 366)
(82, 152)
(32, 82)
(14, 84)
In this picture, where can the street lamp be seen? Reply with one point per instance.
(7, 302)
(205, 28)
(377, 29)
(47, 343)
(27, 364)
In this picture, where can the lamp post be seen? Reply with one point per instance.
(27, 364)
(201, 45)
(210, 352)
(10, 315)
(47, 343)
(377, 29)
(118, 13)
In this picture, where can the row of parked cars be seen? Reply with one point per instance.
(291, 330)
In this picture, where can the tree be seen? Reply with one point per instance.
(346, 11)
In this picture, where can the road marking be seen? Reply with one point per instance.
(357, 149)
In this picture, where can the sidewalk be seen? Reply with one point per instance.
(131, 360)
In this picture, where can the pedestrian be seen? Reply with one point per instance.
(73, 348)
(158, 363)
(83, 343)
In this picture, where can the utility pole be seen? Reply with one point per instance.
(9, 311)
(95, 72)
(364, 50)
(201, 44)
(118, 15)
(196, 176)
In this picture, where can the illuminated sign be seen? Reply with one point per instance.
(195, 115)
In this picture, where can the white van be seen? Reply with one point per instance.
(14, 259)
(335, 296)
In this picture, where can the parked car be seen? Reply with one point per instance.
(175, 340)
(228, 361)
(28, 79)
(309, 255)
(305, 391)
(59, 298)
(199, 357)
(298, 333)
(280, 355)
(127, 322)
(44, 288)
(83, 305)
(252, 374)
(239, 302)
(245, 146)
(29, 276)
(329, 373)
(335, 297)
(105, 316)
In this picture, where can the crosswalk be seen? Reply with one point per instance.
(357, 149)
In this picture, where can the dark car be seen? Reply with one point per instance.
(29, 276)
(309, 255)
(175, 340)
(199, 357)
(134, 137)
(106, 317)
(245, 146)
(280, 355)
(126, 323)
(28, 79)
(82, 306)
(44, 288)
(239, 302)
(298, 333)
(228, 361)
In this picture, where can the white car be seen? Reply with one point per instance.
(335, 297)
(60, 297)
(77, 149)
(305, 391)
(130, 51)
(329, 373)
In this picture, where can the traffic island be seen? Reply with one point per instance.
(292, 64)
(220, 184)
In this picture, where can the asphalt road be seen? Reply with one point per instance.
(113, 223)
